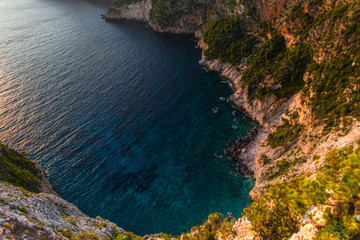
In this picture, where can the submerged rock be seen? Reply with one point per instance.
(237, 120)
(216, 110)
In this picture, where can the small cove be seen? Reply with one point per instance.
(120, 116)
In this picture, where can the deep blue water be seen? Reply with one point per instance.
(120, 116)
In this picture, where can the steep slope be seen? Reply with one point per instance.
(163, 16)
(294, 68)
(300, 81)
(30, 208)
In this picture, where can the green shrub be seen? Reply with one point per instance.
(169, 12)
(285, 133)
(330, 81)
(83, 236)
(276, 214)
(217, 226)
(127, 236)
(18, 170)
(227, 40)
(23, 209)
(285, 66)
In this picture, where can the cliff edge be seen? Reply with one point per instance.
(163, 16)
(31, 209)
(294, 69)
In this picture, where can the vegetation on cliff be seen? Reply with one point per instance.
(117, 4)
(277, 213)
(287, 132)
(326, 46)
(169, 12)
(311, 47)
(228, 41)
(216, 227)
(275, 69)
(16, 169)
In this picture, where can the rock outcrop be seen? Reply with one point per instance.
(187, 20)
(136, 11)
(187, 24)
(30, 215)
(31, 209)
(27, 215)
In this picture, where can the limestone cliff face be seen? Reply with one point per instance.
(270, 111)
(188, 22)
(307, 152)
(136, 11)
(26, 215)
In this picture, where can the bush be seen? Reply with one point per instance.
(284, 134)
(216, 227)
(330, 81)
(127, 236)
(272, 59)
(227, 40)
(169, 12)
(276, 214)
(18, 170)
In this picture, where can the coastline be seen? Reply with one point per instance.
(282, 169)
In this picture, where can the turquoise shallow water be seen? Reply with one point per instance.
(119, 115)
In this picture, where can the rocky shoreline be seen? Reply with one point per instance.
(242, 154)
(248, 155)
(140, 11)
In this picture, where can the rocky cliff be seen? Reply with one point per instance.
(292, 83)
(27, 215)
(163, 16)
(139, 11)
(294, 68)
(31, 209)
(271, 108)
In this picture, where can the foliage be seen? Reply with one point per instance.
(23, 209)
(119, 3)
(333, 87)
(85, 236)
(341, 174)
(285, 133)
(265, 159)
(168, 12)
(334, 83)
(276, 214)
(273, 60)
(282, 167)
(127, 236)
(18, 170)
(272, 68)
(216, 226)
(227, 40)
(164, 236)
(306, 22)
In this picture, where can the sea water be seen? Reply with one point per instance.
(120, 116)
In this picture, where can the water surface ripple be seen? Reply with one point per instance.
(119, 115)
